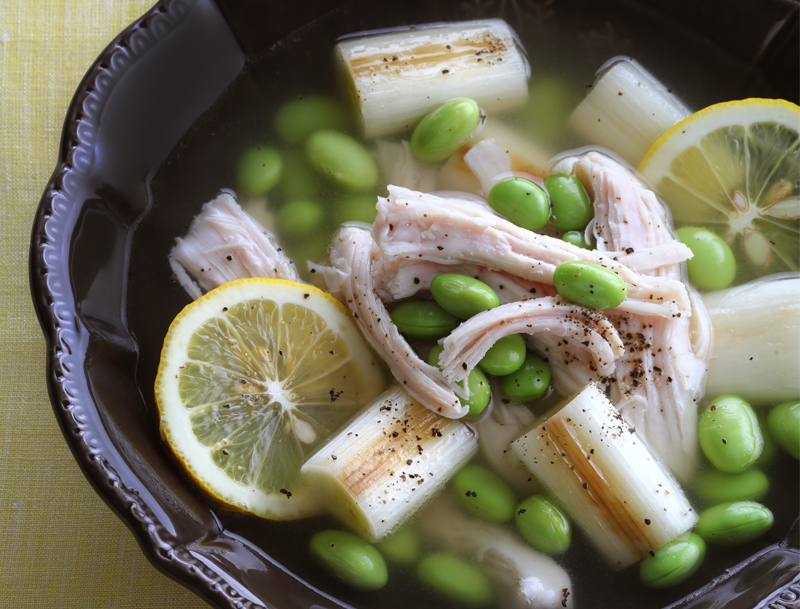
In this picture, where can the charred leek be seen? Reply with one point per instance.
(756, 337)
(384, 464)
(400, 76)
(626, 110)
(606, 478)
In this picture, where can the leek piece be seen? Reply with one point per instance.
(398, 77)
(530, 579)
(626, 110)
(386, 462)
(756, 354)
(606, 477)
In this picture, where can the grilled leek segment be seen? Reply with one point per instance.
(606, 477)
(386, 462)
(398, 77)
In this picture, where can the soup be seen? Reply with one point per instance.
(244, 118)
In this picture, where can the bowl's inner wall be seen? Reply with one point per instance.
(706, 53)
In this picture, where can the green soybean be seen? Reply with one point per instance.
(401, 548)
(350, 559)
(259, 170)
(730, 524)
(342, 159)
(298, 179)
(770, 447)
(357, 206)
(713, 265)
(300, 218)
(673, 563)
(521, 202)
(529, 382)
(715, 487)
(543, 525)
(480, 391)
(505, 356)
(484, 493)
(461, 295)
(455, 579)
(443, 131)
(589, 285)
(784, 425)
(298, 119)
(729, 434)
(423, 320)
(576, 238)
(572, 209)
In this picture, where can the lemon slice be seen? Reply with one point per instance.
(253, 376)
(735, 168)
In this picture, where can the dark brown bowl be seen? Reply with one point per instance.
(150, 136)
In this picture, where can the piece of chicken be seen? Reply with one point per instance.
(661, 376)
(350, 277)
(456, 231)
(226, 243)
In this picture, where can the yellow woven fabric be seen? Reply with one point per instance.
(61, 547)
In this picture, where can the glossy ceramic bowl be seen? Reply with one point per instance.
(150, 136)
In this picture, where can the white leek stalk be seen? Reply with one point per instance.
(399, 167)
(495, 432)
(756, 353)
(386, 462)
(605, 476)
(531, 579)
(626, 110)
(400, 76)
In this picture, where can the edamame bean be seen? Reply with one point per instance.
(461, 295)
(729, 434)
(480, 392)
(730, 524)
(350, 559)
(443, 131)
(713, 265)
(484, 493)
(543, 525)
(529, 382)
(770, 447)
(401, 547)
(784, 425)
(259, 170)
(572, 209)
(576, 238)
(673, 563)
(423, 320)
(521, 202)
(299, 218)
(342, 159)
(589, 285)
(715, 487)
(359, 207)
(505, 356)
(298, 180)
(298, 119)
(455, 579)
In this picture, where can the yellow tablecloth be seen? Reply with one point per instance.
(61, 546)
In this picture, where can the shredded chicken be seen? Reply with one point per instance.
(588, 330)
(225, 243)
(405, 278)
(353, 256)
(661, 376)
(451, 231)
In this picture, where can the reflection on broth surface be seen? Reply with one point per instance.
(566, 43)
